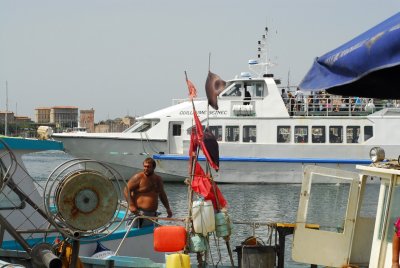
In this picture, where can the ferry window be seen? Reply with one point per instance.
(335, 134)
(176, 130)
(249, 133)
(318, 134)
(234, 91)
(256, 88)
(368, 132)
(352, 134)
(283, 134)
(189, 130)
(216, 131)
(144, 126)
(301, 134)
(232, 133)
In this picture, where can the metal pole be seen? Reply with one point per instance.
(109, 264)
(75, 253)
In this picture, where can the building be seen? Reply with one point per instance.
(22, 119)
(42, 115)
(86, 119)
(63, 117)
(102, 128)
(10, 117)
(128, 121)
(116, 125)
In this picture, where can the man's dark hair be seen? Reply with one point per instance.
(150, 160)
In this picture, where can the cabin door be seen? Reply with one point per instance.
(326, 216)
(175, 138)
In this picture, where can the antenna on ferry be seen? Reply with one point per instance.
(209, 61)
(260, 65)
(6, 115)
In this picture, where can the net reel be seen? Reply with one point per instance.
(8, 163)
(84, 199)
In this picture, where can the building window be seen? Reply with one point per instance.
(283, 134)
(301, 134)
(318, 134)
(335, 134)
(232, 133)
(352, 134)
(249, 133)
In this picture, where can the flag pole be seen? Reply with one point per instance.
(228, 246)
(208, 106)
(194, 160)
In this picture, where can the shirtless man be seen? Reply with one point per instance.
(145, 188)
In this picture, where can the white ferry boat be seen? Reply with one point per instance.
(266, 139)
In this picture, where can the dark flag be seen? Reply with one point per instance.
(214, 86)
(212, 160)
(210, 142)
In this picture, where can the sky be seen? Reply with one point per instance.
(128, 57)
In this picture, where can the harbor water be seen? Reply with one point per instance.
(266, 203)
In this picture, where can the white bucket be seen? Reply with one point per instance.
(203, 217)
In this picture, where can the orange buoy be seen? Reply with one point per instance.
(169, 238)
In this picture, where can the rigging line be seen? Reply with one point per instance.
(153, 147)
(141, 141)
(219, 252)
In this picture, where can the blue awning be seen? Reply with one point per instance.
(366, 66)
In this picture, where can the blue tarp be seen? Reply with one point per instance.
(366, 66)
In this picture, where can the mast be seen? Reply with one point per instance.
(6, 113)
(260, 65)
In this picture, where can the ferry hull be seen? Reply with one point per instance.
(273, 164)
(251, 172)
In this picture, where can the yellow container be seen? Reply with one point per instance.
(177, 260)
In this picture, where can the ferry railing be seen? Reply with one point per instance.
(331, 105)
(177, 101)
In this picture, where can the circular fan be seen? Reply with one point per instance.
(84, 199)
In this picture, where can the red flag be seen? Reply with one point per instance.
(192, 148)
(200, 135)
(202, 185)
(192, 89)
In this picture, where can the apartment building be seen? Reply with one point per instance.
(62, 116)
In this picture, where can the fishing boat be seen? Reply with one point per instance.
(351, 232)
(265, 139)
(79, 218)
(80, 207)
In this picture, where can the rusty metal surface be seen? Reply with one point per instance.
(86, 200)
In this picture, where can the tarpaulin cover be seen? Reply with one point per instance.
(366, 66)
